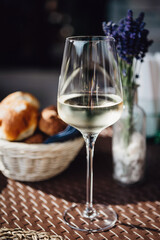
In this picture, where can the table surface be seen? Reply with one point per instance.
(40, 205)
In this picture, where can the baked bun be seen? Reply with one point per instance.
(36, 138)
(49, 122)
(17, 96)
(18, 116)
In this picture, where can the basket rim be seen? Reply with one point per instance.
(22, 145)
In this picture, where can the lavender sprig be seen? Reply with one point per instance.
(132, 44)
(131, 37)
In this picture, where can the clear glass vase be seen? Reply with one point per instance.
(129, 142)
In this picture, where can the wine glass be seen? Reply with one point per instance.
(90, 99)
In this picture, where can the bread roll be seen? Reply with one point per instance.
(49, 122)
(17, 96)
(18, 116)
(36, 138)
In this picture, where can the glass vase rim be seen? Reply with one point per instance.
(91, 38)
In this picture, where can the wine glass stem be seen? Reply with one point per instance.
(90, 142)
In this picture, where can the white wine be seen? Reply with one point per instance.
(90, 114)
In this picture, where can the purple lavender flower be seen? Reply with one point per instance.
(130, 35)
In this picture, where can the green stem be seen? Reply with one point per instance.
(129, 92)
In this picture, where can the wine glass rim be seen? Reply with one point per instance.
(91, 38)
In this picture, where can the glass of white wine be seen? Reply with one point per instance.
(90, 99)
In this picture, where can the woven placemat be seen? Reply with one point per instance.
(19, 234)
(39, 206)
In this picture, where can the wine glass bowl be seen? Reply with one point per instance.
(90, 99)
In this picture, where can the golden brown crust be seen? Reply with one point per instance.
(36, 138)
(49, 122)
(19, 119)
(18, 116)
(19, 95)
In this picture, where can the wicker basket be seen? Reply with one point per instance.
(18, 233)
(36, 162)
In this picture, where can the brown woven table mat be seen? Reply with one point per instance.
(39, 206)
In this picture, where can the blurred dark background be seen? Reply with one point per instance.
(32, 32)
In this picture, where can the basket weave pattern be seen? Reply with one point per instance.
(19, 234)
(36, 162)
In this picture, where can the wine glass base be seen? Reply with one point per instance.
(103, 218)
